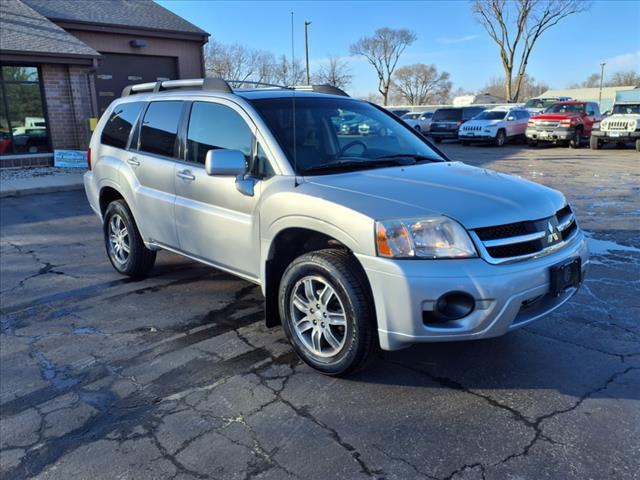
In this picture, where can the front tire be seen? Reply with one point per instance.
(327, 313)
(576, 140)
(500, 139)
(638, 145)
(125, 247)
(594, 143)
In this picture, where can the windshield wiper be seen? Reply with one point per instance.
(357, 164)
(414, 156)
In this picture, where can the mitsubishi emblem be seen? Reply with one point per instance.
(552, 233)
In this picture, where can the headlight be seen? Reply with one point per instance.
(433, 237)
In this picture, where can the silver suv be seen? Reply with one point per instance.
(358, 242)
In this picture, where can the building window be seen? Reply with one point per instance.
(23, 124)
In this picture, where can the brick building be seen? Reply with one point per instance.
(61, 65)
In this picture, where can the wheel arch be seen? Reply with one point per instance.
(287, 244)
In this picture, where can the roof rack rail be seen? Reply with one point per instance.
(209, 84)
(220, 85)
(324, 88)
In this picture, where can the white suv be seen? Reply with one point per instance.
(357, 241)
(498, 126)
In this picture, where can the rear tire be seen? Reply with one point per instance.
(594, 143)
(125, 247)
(334, 332)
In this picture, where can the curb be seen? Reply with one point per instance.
(40, 190)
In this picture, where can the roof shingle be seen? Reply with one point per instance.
(24, 30)
(130, 13)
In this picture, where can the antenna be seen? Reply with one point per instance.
(293, 111)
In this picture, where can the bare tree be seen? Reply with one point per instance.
(237, 62)
(529, 88)
(516, 26)
(617, 79)
(624, 78)
(382, 51)
(334, 72)
(286, 72)
(420, 84)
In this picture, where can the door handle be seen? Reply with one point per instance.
(133, 161)
(186, 175)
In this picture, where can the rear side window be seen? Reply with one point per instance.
(116, 132)
(447, 115)
(213, 126)
(160, 128)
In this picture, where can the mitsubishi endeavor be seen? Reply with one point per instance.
(358, 242)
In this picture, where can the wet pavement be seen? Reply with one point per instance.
(175, 376)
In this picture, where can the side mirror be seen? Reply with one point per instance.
(225, 163)
(510, 119)
(591, 113)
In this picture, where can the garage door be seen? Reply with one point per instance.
(116, 71)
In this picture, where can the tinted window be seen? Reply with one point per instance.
(263, 168)
(159, 128)
(447, 115)
(213, 126)
(566, 108)
(316, 134)
(469, 113)
(492, 115)
(116, 131)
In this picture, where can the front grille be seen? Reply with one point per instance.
(472, 128)
(522, 239)
(547, 123)
(620, 125)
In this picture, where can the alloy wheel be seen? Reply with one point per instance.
(318, 316)
(119, 242)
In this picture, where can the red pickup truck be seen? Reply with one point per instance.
(564, 123)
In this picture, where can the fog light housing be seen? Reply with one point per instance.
(450, 306)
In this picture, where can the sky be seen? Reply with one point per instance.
(448, 36)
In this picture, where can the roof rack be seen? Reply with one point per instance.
(220, 85)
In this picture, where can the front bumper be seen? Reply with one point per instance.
(507, 296)
(557, 134)
(443, 133)
(479, 137)
(614, 136)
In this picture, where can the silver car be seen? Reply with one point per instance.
(358, 243)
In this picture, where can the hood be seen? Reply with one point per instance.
(475, 197)
(555, 116)
(482, 123)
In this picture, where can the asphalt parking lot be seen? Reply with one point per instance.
(176, 377)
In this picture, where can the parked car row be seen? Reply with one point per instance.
(557, 120)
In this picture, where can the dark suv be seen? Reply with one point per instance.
(447, 121)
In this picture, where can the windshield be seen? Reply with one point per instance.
(566, 108)
(539, 102)
(491, 115)
(324, 137)
(447, 115)
(627, 109)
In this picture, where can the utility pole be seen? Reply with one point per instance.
(601, 80)
(306, 49)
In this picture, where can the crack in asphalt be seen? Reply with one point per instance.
(535, 424)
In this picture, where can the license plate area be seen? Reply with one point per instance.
(565, 275)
